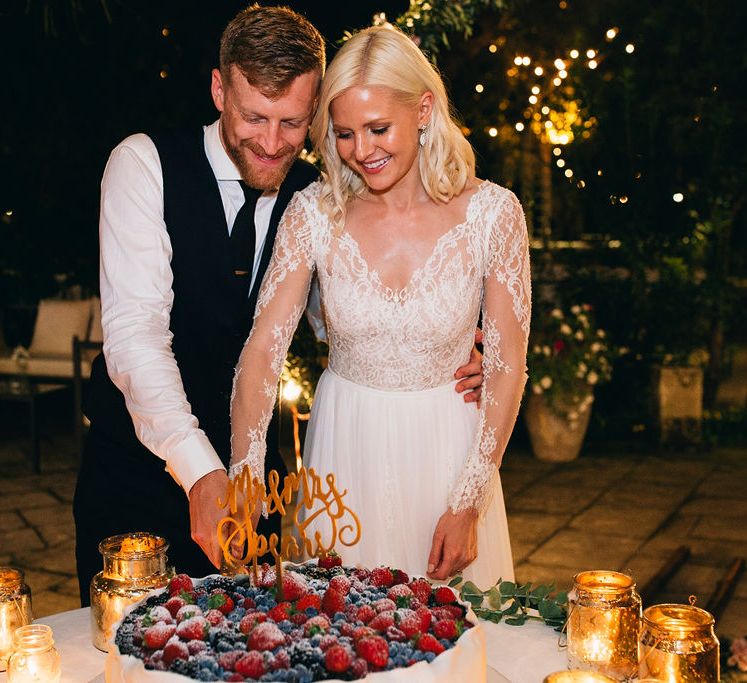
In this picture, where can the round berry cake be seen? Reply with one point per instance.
(333, 624)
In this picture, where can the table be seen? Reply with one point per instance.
(516, 654)
(23, 389)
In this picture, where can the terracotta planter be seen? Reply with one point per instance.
(554, 438)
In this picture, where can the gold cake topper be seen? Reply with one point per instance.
(247, 494)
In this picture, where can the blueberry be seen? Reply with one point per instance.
(429, 656)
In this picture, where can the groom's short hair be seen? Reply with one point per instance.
(271, 46)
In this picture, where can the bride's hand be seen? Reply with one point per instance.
(471, 374)
(454, 544)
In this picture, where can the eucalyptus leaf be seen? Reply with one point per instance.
(495, 600)
(507, 588)
(455, 582)
(517, 621)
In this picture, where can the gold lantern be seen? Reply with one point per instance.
(678, 645)
(576, 676)
(134, 565)
(15, 609)
(604, 620)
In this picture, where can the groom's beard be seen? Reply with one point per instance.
(252, 173)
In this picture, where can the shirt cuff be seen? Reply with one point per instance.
(192, 459)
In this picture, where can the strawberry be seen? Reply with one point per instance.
(251, 665)
(384, 605)
(180, 583)
(331, 559)
(409, 623)
(337, 659)
(175, 649)
(456, 611)
(174, 604)
(422, 589)
(294, 586)
(249, 621)
(428, 643)
(362, 632)
(215, 617)
(299, 618)
(279, 612)
(265, 636)
(155, 636)
(382, 576)
(365, 613)
(425, 616)
(187, 612)
(374, 650)
(333, 602)
(446, 628)
(318, 624)
(196, 646)
(248, 603)
(196, 628)
(327, 641)
(227, 660)
(347, 629)
(401, 594)
(381, 622)
(235, 678)
(267, 576)
(341, 583)
(443, 595)
(400, 576)
(160, 613)
(309, 600)
(220, 600)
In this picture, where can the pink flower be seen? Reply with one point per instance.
(738, 654)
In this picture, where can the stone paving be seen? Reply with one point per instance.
(617, 510)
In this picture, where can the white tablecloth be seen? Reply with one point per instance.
(516, 654)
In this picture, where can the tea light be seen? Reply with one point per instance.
(576, 676)
(678, 645)
(134, 565)
(34, 658)
(603, 623)
(15, 609)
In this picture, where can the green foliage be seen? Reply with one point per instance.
(506, 601)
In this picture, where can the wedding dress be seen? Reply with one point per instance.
(386, 419)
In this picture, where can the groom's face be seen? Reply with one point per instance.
(263, 136)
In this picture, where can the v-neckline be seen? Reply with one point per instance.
(402, 293)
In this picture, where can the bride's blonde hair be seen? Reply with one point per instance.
(383, 56)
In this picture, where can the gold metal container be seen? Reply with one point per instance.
(678, 645)
(15, 609)
(35, 658)
(134, 565)
(604, 620)
(576, 676)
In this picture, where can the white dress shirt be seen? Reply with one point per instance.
(137, 296)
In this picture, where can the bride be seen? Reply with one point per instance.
(409, 248)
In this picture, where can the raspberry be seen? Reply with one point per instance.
(248, 603)
(294, 586)
(173, 605)
(341, 584)
(227, 660)
(215, 617)
(155, 637)
(281, 660)
(446, 628)
(456, 611)
(309, 600)
(374, 650)
(443, 595)
(425, 616)
(318, 624)
(327, 642)
(359, 668)
(187, 612)
(337, 659)
(347, 629)
(235, 678)
(428, 643)
(401, 594)
(196, 646)
(382, 576)
(196, 628)
(221, 601)
(251, 665)
(422, 590)
(265, 636)
(175, 649)
(279, 612)
(381, 622)
(365, 613)
(299, 618)
(249, 621)
(409, 623)
(400, 576)
(332, 602)
(384, 605)
(331, 559)
(393, 633)
(180, 583)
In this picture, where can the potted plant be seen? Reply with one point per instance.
(568, 356)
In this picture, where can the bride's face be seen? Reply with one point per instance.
(377, 134)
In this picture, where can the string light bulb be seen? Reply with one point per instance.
(574, 54)
(593, 64)
(630, 48)
(535, 90)
(492, 48)
(591, 54)
(611, 33)
(538, 70)
(568, 173)
(678, 197)
(492, 132)
(519, 126)
(479, 87)
(559, 64)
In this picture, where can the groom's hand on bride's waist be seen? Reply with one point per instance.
(471, 374)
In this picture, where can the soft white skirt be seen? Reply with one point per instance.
(398, 454)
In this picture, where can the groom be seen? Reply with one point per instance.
(187, 224)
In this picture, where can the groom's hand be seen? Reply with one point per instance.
(204, 513)
(471, 374)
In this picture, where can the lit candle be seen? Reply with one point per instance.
(15, 609)
(577, 676)
(34, 658)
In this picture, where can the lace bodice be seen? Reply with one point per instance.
(398, 339)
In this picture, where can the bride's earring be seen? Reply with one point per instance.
(422, 137)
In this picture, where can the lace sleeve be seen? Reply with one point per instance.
(282, 299)
(506, 311)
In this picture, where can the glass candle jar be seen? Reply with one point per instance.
(604, 619)
(15, 609)
(34, 658)
(576, 676)
(134, 565)
(678, 645)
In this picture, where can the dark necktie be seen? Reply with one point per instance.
(243, 234)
